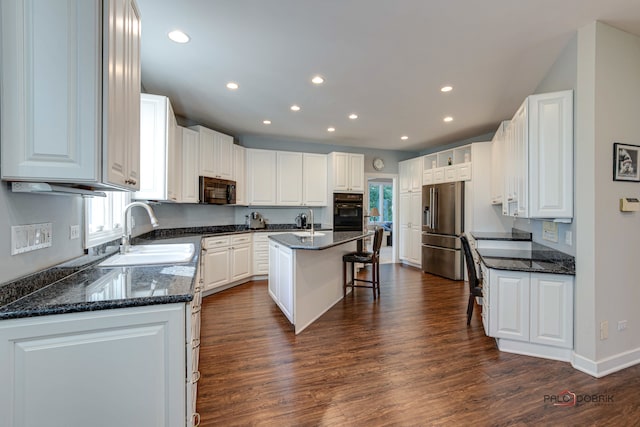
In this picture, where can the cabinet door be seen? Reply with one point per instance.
(261, 175)
(285, 282)
(552, 309)
(438, 175)
(289, 178)
(223, 156)
(415, 171)
(463, 171)
(240, 173)
(405, 176)
(551, 155)
(356, 172)
(509, 305)
(314, 181)
(216, 267)
(405, 243)
(497, 166)
(121, 114)
(450, 173)
(427, 177)
(174, 156)
(415, 245)
(51, 119)
(340, 170)
(240, 262)
(154, 134)
(415, 210)
(521, 162)
(274, 249)
(190, 168)
(405, 209)
(207, 148)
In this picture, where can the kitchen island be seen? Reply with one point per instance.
(305, 273)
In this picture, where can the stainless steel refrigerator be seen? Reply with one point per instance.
(442, 222)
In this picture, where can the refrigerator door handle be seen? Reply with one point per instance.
(431, 208)
(435, 210)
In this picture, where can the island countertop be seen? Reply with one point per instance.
(319, 242)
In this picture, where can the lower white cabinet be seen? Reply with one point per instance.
(121, 367)
(411, 228)
(536, 308)
(281, 277)
(226, 259)
(193, 317)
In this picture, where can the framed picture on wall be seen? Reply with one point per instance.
(625, 162)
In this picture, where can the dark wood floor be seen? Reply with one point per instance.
(407, 358)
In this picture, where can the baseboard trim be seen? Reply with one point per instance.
(536, 350)
(608, 365)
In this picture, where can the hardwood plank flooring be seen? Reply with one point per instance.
(407, 358)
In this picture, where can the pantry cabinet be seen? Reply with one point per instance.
(72, 117)
(346, 172)
(216, 153)
(411, 228)
(410, 175)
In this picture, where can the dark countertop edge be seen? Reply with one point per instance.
(96, 306)
(321, 246)
(506, 236)
(561, 270)
(565, 264)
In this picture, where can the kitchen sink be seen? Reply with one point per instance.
(308, 234)
(152, 254)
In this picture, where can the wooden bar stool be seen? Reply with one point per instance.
(372, 258)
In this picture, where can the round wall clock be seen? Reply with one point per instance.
(378, 164)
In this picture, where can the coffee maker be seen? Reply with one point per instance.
(256, 221)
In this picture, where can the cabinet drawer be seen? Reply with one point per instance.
(216, 242)
(464, 171)
(427, 177)
(450, 174)
(261, 237)
(240, 239)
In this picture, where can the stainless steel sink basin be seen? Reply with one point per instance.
(152, 254)
(308, 234)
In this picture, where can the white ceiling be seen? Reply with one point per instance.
(384, 60)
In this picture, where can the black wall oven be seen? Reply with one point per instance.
(347, 212)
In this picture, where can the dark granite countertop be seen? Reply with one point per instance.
(80, 285)
(505, 235)
(540, 259)
(328, 240)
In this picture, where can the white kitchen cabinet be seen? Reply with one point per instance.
(121, 367)
(227, 259)
(158, 125)
(538, 158)
(240, 174)
(497, 166)
(281, 278)
(411, 228)
(72, 117)
(289, 178)
(314, 179)
(193, 318)
(529, 313)
(346, 172)
(261, 177)
(190, 155)
(410, 175)
(216, 153)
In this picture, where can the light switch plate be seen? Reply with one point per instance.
(550, 231)
(74, 232)
(26, 238)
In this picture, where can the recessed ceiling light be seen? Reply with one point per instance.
(266, 122)
(178, 36)
(318, 80)
(446, 89)
(404, 137)
(353, 116)
(331, 129)
(232, 85)
(448, 119)
(295, 108)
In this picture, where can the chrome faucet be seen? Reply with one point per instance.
(126, 232)
(311, 219)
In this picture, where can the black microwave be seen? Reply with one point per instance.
(217, 191)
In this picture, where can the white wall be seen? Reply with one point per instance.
(22, 209)
(607, 280)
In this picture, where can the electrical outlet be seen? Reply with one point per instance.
(604, 330)
(622, 325)
(25, 238)
(568, 237)
(74, 232)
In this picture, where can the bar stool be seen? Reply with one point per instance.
(372, 258)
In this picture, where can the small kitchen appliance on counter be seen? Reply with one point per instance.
(301, 220)
(256, 221)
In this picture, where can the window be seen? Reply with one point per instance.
(103, 217)
(381, 197)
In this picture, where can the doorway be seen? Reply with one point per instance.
(381, 193)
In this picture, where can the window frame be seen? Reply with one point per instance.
(113, 220)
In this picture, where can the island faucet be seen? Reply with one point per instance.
(126, 232)
(311, 219)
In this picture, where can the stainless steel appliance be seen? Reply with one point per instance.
(256, 221)
(347, 212)
(442, 221)
(217, 191)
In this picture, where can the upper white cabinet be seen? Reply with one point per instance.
(190, 156)
(497, 166)
(240, 173)
(314, 179)
(216, 153)
(538, 158)
(411, 175)
(346, 172)
(261, 177)
(73, 116)
(285, 178)
(289, 178)
(158, 169)
(447, 166)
